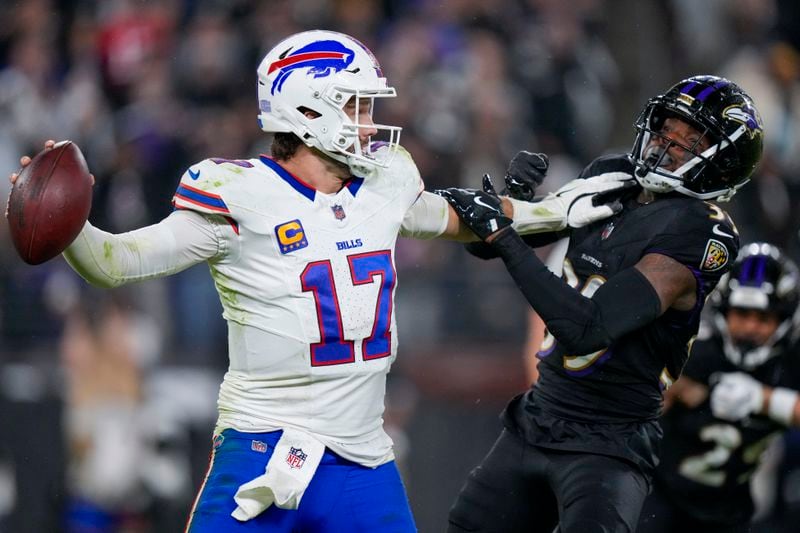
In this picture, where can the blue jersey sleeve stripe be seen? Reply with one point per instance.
(178, 198)
(199, 197)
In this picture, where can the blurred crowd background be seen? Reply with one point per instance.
(107, 398)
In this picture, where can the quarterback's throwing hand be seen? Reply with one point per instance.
(480, 211)
(592, 199)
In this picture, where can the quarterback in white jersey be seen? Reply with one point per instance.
(307, 285)
(301, 249)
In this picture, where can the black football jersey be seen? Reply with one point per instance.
(623, 383)
(706, 463)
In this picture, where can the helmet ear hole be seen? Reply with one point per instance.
(308, 112)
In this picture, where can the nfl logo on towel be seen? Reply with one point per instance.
(296, 457)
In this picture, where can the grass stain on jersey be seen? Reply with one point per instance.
(229, 295)
(232, 168)
(114, 270)
(542, 211)
(229, 298)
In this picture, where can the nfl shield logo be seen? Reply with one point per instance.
(296, 457)
(338, 212)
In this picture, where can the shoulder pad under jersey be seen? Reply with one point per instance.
(402, 172)
(202, 187)
(698, 234)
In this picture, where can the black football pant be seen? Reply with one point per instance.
(522, 488)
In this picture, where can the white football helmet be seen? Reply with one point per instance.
(320, 71)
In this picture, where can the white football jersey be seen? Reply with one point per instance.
(307, 283)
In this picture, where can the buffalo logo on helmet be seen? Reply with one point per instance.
(321, 58)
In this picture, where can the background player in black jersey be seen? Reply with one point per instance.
(578, 448)
(737, 391)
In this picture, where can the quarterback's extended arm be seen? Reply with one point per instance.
(572, 206)
(431, 216)
(181, 240)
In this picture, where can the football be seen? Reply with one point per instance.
(49, 203)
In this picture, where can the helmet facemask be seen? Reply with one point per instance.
(746, 353)
(653, 158)
(345, 144)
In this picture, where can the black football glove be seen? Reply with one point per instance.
(526, 171)
(480, 211)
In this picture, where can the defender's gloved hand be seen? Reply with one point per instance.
(578, 203)
(526, 171)
(588, 200)
(737, 395)
(480, 211)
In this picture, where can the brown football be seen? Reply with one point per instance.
(49, 203)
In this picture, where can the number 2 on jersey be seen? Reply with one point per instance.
(709, 468)
(333, 348)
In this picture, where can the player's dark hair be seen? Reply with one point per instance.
(284, 146)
